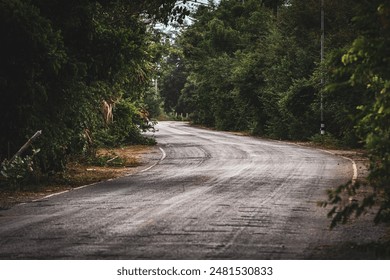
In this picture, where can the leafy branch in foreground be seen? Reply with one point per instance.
(353, 200)
(345, 201)
(367, 66)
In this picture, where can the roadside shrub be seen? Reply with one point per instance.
(326, 140)
(126, 129)
(18, 171)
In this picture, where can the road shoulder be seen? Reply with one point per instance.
(137, 159)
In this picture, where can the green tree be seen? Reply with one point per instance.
(367, 65)
(217, 54)
(61, 59)
(173, 78)
(34, 66)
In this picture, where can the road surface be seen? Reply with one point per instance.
(210, 195)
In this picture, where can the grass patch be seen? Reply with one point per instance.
(107, 164)
(327, 140)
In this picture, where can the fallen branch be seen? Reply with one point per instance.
(108, 161)
(26, 145)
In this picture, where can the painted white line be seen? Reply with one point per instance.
(161, 159)
(50, 195)
(82, 187)
(163, 154)
(354, 167)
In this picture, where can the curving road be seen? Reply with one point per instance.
(211, 195)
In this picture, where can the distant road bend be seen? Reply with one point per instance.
(213, 195)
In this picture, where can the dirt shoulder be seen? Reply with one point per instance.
(113, 163)
(375, 250)
(358, 156)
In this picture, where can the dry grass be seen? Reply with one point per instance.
(79, 174)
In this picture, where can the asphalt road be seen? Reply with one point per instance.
(210, 195)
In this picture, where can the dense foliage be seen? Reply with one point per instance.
(60, 59)
(255, 66)
(366, 70)
(244, 66)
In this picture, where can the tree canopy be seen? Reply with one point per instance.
(61, 59)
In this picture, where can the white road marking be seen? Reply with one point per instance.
(355, 173)
(163, 156)
(50, 195)
(354, 167)
(161, 159)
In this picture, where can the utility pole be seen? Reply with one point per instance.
(156, 86)
(322, 128)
